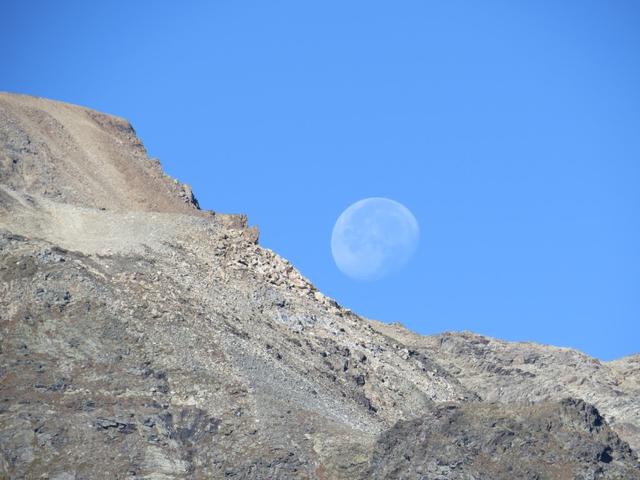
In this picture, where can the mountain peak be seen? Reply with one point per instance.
(75, 155)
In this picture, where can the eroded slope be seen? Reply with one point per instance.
(143, 338)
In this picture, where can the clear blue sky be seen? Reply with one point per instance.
(510, 129)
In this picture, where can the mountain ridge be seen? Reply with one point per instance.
(143, 337)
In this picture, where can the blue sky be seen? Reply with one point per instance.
(510, 129)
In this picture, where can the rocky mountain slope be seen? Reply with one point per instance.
(511, 372)
(141, 337)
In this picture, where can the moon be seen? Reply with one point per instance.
(373, 238)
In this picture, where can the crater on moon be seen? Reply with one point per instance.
(373, 238)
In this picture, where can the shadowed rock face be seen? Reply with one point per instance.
(565, 440)
(141, 337)
(509, 372)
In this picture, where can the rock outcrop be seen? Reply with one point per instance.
(566, 439)
(511, 372)
(142, 337)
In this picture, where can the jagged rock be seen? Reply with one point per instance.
(556, 440)
(516, 372)
(141, 337)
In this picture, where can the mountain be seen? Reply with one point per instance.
(144, 338)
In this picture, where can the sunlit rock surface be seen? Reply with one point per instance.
(142, 337)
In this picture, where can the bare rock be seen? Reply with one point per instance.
(161, 341)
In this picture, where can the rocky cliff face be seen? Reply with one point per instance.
(141, 337)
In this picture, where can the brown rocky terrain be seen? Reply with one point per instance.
(142, 337)
(511, 372)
